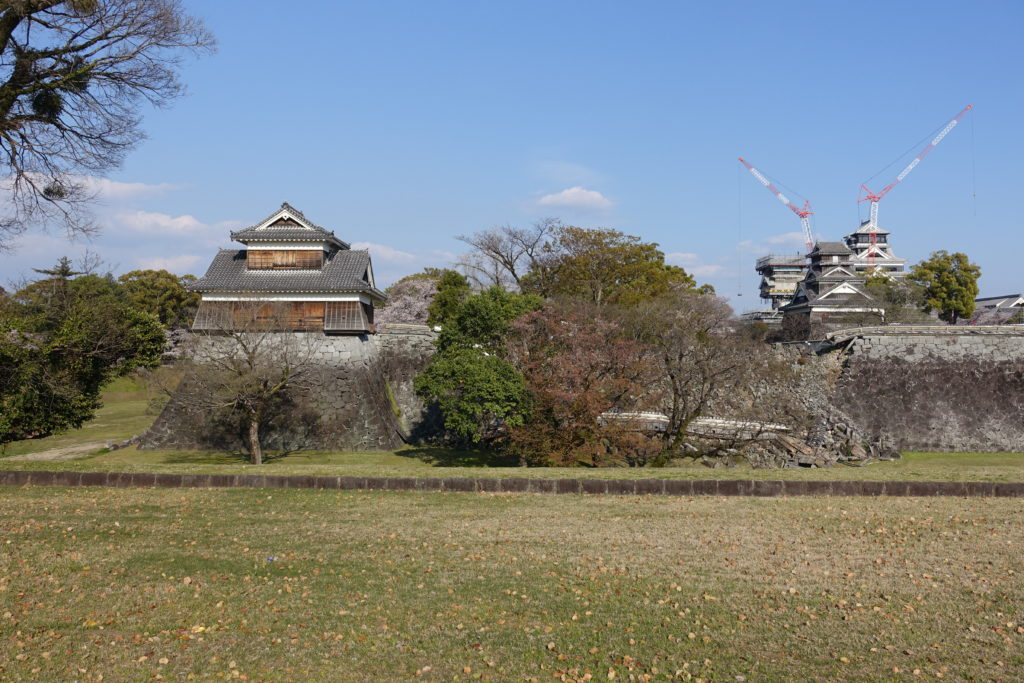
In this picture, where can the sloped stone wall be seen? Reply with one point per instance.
(361, 399)
(953, 390)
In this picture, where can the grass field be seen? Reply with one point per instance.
(125, 413)
(133, 584)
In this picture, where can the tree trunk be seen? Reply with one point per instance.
(255, 450)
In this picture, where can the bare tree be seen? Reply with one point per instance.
(504, 254)
(74, 74)
(706, 365)
(249, 364)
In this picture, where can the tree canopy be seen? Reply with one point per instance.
(950, 284)
(73, 77)
(604, 267)
(62, 339)
(452, 289)
(479, 393)
(578, 366)
(162, 294)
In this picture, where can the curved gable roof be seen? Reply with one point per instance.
(287, 224)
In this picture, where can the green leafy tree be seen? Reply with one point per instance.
(950, 284)
(74, 75)
(902, 299)
(58, 351)
(483, 320)
(452, 289)
(604, 267)
(162, 294)
(479, 394)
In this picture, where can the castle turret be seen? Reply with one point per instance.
(878, 256)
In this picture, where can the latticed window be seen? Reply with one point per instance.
(213, 315)
(331, 316)
(284, 259)
(346, 316)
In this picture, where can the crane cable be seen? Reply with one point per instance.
(903, 155)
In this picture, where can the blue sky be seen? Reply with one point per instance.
(400, 125)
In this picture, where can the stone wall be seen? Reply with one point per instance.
(935, 389)
(360, 398)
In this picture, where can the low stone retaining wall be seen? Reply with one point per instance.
(667, 487)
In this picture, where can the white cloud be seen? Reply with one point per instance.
(576, 198)
(442, 255)
(708, 270)
(159, 223)
(175, 264)
(681, 258)
(692, 264)
(787, 242)
(385, 253)
(790, 238)
(116, 190)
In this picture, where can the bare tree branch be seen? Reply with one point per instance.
(248, 364)
(73, 76)
(504, 254)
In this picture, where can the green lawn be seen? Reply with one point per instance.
(125, 413)
(305, 585)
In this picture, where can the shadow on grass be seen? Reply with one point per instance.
(437, 456)
(208, 457)
(228, 457)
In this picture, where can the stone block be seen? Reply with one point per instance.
(543, 486)
(94, 479)
(679, 487)
(622, 487)
(652, 487)
(459, 484)
(705, 487)
(223, 480)
(276, 482)
(66, 478)
(488, 484)
(567, 486)
(922, 488)
(767, 488)
(872, 488)
(515, 484)
(593, 486)
(169, 480)
(142, 479)
(1008, 490)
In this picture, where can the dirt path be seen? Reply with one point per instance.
(78, 450)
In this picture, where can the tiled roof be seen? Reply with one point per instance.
(831, 248)
(865, 227)
(304, 229)
(342, 271)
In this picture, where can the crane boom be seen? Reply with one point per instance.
(802, 213)
(874, 198)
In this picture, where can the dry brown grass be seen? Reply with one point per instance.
(324, 585)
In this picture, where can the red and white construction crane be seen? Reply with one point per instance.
(802, 213)
(875, 197)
